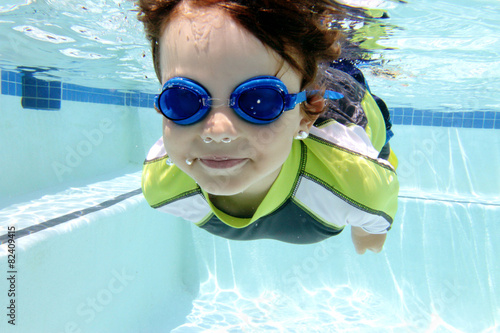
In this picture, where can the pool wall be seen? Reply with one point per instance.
(95, 133)
(116, 265)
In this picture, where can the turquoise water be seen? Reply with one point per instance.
(70, 177)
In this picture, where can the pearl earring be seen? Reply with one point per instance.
(189, 161)
(301, 135)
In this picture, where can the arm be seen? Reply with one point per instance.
(363, 240)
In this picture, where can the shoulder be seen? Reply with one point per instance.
(342, 160)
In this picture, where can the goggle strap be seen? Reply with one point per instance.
(294, 99)
(330, 94)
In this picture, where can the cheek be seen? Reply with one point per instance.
(175, 139)
(273, 143)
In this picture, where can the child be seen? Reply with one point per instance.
(250, 149)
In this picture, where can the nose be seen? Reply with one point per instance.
(220, 125)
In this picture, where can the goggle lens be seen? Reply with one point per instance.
(261, 103)
(178, 103)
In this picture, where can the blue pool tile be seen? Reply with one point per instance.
(107, 99)
(71, 86)
(28, 103)
(143, 100)
(144, 103)
(12, 76)
(29, 80)
(418, 121)
(134, 100)
(489, 123)
(457, 122)
(468, 115)
(29, 91)
(427, 121)
(437, 119)
(86, 90)
(497, 123)
(398, 111)
(42, 103)
(467, 123)
(42, 83)
(99, 91)
(55, 92)
(407, 112)
(5, 75)
(82, 96)
(42, 91)
(489, 115)
(447, 122)
(12, 88)
(103, 99)
(79, 96)
(477, 123)
(72, 95)
(418, 113)
(479, 115)
(407, 120)
(397, 120)
(54, 104)
(437, 122)
(447, 119)
(116, 100)
(428, 113)
(55, 84)
(5, 88)
(96, 98)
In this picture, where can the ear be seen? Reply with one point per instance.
(315, 105)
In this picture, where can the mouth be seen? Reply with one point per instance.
(217, 162)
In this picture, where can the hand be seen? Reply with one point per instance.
(363, 240)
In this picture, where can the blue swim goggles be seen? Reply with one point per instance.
(260, 100)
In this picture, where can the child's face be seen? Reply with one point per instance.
(210, 48)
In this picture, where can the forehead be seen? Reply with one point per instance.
(207, 44)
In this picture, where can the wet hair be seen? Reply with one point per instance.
(298, 30)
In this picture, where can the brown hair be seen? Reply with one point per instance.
(295, 29)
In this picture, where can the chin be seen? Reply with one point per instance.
(221, 188)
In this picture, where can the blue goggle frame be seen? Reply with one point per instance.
(201, 102)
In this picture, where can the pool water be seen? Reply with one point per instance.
(77, 87)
